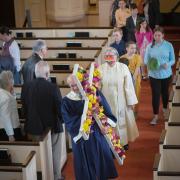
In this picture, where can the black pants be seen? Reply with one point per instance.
(159, 87)
(17, 135)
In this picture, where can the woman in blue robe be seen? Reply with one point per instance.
(92, 158)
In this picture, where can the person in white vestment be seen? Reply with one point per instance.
(117, 87)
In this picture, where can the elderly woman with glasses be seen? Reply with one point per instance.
(117, 87)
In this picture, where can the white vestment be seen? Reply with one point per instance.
(117, 87)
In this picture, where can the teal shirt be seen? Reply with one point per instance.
(164, 53)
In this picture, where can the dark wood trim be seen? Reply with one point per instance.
(173, 123)
(168, 173)
(60, 86)
(171, 95)
(174, 80)
(66, 48)
(110, 33)
(104, 43)
(162, 136)
(98, 53)
(176, 104)
(65, 59)
(20, 143)
(171, 146)
(156, 161)
(60, 71)
(10, 169)
(28, 159)
(178, 87)
(55, 28)
(62, 38)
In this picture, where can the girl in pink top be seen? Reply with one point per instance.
(144, 36)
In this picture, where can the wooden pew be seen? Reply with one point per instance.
(26, 170)
(81, 52)
(65, 89)
(20, 149)
(174, 97)
(84, 62)
(65, 31)
(62, 42)
(174, 117)
(167, 165)
(169, 137)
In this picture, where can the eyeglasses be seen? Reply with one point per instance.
(109, 56)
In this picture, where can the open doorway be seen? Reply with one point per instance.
(7, 17)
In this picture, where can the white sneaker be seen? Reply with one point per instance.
(154, 121)
(166, 113)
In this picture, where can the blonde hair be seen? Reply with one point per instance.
(6, 79)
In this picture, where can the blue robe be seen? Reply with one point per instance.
(92, 158)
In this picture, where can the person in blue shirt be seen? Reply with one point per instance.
(119, 44)
(162, 53)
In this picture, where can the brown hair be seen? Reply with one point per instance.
(118, 30)
(139, 25)
(157, 29)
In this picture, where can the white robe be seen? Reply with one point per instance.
(117, 87)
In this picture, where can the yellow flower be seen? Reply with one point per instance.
(90, 105)
(85, 127)
(79, 76)
(90, 97)
(96, 73)
(88, 121)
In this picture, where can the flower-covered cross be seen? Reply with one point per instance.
(87, 84)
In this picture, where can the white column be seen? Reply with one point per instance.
(65, 10)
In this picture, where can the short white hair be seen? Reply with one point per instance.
(39, 45)
(6, 79)
(42, 69)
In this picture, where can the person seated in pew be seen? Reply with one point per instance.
(9, 119)
(41, 102)
(39, 52)
(92, 158)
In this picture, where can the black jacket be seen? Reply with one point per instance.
(131, 27)
(28, 69)
(154, 13)
(41, 102)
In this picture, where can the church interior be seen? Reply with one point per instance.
(79, 32)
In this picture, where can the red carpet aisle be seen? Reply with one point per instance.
(140, 156)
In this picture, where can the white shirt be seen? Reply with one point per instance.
(9, 118)
(134, 20)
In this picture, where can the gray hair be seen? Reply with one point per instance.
(6, 79)
(42, 70)
(39, 45)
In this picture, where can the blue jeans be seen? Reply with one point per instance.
(17, 77)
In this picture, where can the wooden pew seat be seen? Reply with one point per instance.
(167, 165)
(19, 151)
(26, 170)
(174, 119)
(62, 42)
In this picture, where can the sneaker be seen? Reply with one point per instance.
(154, 121)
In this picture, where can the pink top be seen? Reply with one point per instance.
(140, 37)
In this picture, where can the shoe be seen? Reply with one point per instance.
(62, 178)
(126, 147)
(144, 77)
(154, 121)
(166, 113)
